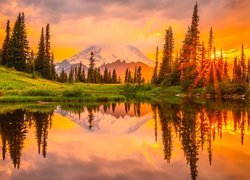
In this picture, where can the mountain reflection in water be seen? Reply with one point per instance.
(126, 140)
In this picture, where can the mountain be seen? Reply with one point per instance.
(118, 57)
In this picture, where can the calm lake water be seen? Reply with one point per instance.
(125, 141)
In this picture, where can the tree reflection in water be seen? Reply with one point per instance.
(14, 128)
(195, 126)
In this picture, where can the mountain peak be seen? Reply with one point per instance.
(105, 54)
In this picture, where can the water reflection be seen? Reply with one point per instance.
(195, 127)
(14, 127)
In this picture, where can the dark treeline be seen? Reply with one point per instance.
(137, 78)
(16, 53)
(197, 66)
(94, 75)
(14, 127)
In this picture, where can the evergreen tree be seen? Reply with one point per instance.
(63, 76)
(220, 67)
(99, 76)
(154, 79)
(106, 75)
(6, 44)
(109, 77)
(30, 63)
(236, 72)
(83, 75)
(190, 55)
(18, 51)
(40, 62)
(165, 68)
(47, 61)
(210, 43)
(225, 71)
(114, 77)
(79, 73)
(53, 70)
(70, 79)
(243, 66)
(135, 75)
(91, 68)
(248, 69)
(130, 78)
(139, 78)
(126, 76)
(119, 80)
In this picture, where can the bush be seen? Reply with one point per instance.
(76, 92)
(232, 89)
(39, 92)
(1, 93)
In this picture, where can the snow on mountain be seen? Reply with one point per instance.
(106, 54)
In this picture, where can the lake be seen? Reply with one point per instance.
(130, 140)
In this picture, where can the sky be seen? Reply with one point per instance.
(75, 25)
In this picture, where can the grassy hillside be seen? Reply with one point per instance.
(19, 86)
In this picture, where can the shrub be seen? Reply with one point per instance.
(39, 92)
(1, 93)
(75, 92)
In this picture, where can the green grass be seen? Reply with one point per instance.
(21, 87)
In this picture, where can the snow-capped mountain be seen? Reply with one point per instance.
(105, 54)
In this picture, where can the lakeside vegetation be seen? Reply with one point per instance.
(18, 86)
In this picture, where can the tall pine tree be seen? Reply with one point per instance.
(190, 52)
(6, 44)
(40, 62)
(18, 51)
(165, 68)
(154, 79)
(91, 69)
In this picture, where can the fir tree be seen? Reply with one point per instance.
(135, 75)
(40, 62)
(114, 77)
(243, 65)
(154, 79)
(91, 68)
(236, 72)
(165, 68)
(106, 75)
(130, 78)
(83, 75)
(6, 44)
(109, 77)
(225, 71)
(126, 76)
(79, 73)
(53, 70)
(210, 43)
(220, 67)
(30, 63)
(119, 80)
(248, 70)
(47, 60)
(18, 51)
(63, 76)
(190, 49)
(70, 78)
(139, 78)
